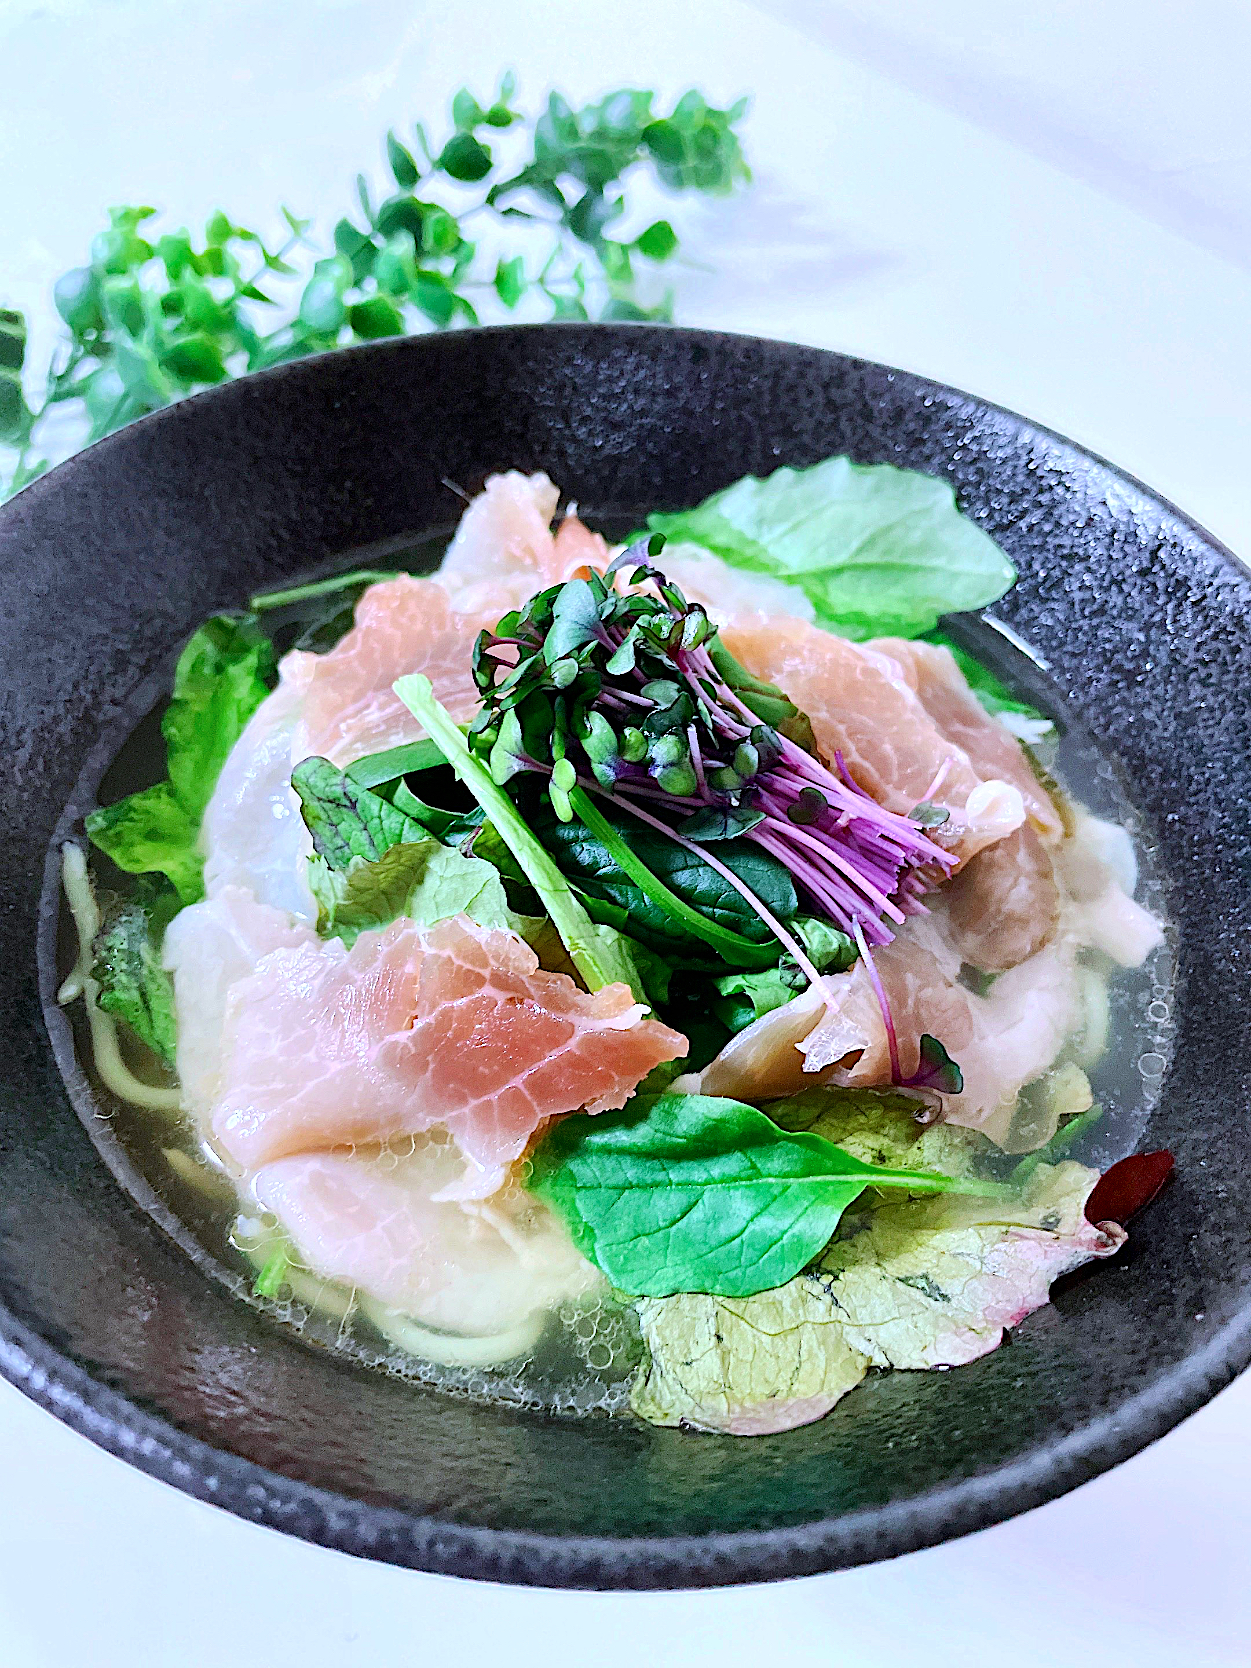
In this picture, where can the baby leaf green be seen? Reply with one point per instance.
(133, 984)
(878, 550)
(693, 1193)
(220, 680)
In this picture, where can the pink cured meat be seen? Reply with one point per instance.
(863, 707)
(1002, 1040)
(504, 550)
(931, 670)
(454, 1025)
(402, 625)
(1004, 905)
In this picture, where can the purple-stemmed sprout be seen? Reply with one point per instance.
(629, 686)
(623, 691)
(937, 1073)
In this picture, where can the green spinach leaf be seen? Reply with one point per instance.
(586, 861)
(346, 820)
(221, 678)
(692, 1193)
(878, 550)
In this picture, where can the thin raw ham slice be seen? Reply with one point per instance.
(402, 625)
(253, 834)
(375, 1221)
(209, 948)
(452, 1025)
(1002, 1040)
(862, 707)
(992, 750)
(504, 551)
(1004, 904)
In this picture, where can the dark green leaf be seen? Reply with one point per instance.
(121, 301)
(658, 242)
(744, 998)
(664, 140)
(510, 280)
(119, 250)
(440, 233)
(346, 820)
(625, 311)
(12, 340)
(77, 298)
(175, 252)
(401, 163)
(567, 307)
(357, 247)
(422, 879)
(194, 359)
(15, 418)
(401, 214)
(777, 712)
(575, 620)
(467, 113)
(465, 158)
(556, 129)
(690, 1193)
(200, 307)
(585, 860)
(376, 317)
(141, 374)
(591, 213)
(395, 264)
(436, 298)
(321, 306)
(720, 822)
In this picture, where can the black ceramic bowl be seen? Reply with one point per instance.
(110, 561)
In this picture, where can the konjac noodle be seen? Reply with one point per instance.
(664, 979)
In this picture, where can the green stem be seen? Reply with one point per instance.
(271, 1277)
(578, 932)
(318, 588)
(1059, 1143)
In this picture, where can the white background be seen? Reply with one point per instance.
(1050, 207)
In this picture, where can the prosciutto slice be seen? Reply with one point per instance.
(453, 1025)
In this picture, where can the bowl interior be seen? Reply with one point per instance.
(111, 560)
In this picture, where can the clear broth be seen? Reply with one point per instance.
(584, 1360)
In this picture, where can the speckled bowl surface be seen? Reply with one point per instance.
(107, 564)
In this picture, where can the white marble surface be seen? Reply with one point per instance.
(943, 230)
